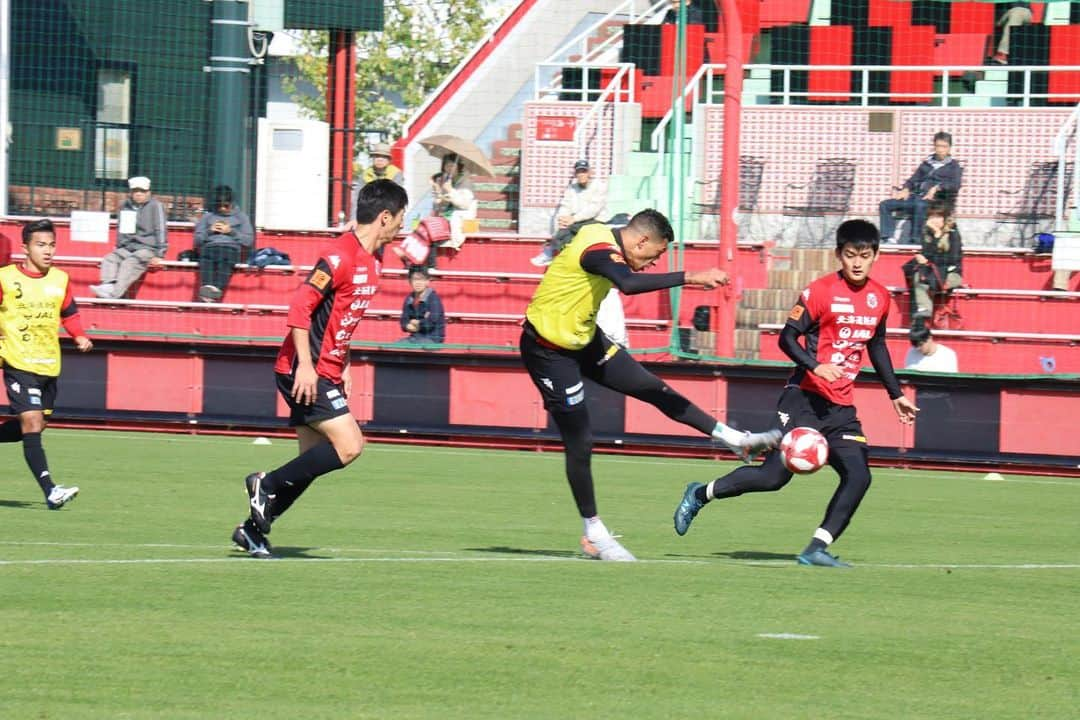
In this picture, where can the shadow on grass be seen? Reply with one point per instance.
(756, 555)
(20, 504)
(736, 555)
(283, 551)
(504, 550)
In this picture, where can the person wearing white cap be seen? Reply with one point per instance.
(141, 241)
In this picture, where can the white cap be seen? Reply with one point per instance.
(139, 183)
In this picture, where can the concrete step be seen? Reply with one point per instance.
(750, 318)
(486, 214)
(769, 299)
(498, 224)
(819, 259)
(498, 202)
(492, 185)
(748, 341)
(792, 279)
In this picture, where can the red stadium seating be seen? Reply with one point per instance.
(971, 17)
(889, 13)
(830, 45)
(775, 13)
(695, 48)
(912, 45)
(1065, 50)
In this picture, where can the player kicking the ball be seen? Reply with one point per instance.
(313, 365)
(560, 345)
(840, 316)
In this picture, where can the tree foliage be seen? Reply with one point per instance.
(397, 68)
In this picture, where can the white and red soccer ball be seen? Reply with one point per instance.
(804, 450)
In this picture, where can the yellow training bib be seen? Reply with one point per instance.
(30, 319)
(563, 309)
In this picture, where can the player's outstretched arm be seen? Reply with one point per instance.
(708, 279)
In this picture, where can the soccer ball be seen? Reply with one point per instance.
(804, 450)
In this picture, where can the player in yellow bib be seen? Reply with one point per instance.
(35, 298)
(560, 345)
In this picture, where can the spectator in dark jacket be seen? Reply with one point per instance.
(223, 238)
(938, 266)
(140, 241)
(422, 314)
(938, 178)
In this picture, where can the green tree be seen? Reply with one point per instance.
(397, 68)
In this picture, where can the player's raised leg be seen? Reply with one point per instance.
(615, 368)
(769, 476)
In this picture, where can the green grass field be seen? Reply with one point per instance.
(444, 583)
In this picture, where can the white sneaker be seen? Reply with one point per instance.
(104, 290)
(752, 444)
(60, 496)
(543, 259)
(606, 549)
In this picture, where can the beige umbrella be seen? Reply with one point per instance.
(475, 161)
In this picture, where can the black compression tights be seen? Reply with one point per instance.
(577, 440)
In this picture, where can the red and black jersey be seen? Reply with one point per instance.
(329, 304)
(838, 321)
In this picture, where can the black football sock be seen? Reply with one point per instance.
(35, 459)
(11, 431)
(287, 495)
(303, 469)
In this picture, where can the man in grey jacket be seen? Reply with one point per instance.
(141, 241)
(223, 237)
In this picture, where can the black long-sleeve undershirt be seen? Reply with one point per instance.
(876, 349)
(601, 262)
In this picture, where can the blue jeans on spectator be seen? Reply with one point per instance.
(915, 206)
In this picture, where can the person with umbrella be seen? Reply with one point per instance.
(454, 198)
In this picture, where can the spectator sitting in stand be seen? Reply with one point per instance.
(380, 169)
(141, 241)
(1018, 13)
(938, 266)
(221, 239)
(585, 199)
(927, 354)
(938, 177)
(422, 314)
(454, 198)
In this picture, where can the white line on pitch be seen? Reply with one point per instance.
(238, 558)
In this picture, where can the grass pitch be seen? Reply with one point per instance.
(444, 583)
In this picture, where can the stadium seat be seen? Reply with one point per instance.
(695, 48)
(888, 13)
(912, 45)
(1064, 50)
(970, 17)
(777, 13)
(830, 45)
(959, 49)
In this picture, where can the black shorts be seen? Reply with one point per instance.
(329, 401)
(838, 423)
(29, 391)
(557, 372)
